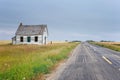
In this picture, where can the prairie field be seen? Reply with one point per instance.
(31, 62)
(111, 45)
(5, 42)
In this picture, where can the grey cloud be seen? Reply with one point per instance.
(86, 17)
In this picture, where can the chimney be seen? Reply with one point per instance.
(20, 24)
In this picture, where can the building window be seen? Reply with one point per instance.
(21, 39)
(28, 39)
(36, 39)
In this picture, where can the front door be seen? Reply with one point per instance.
(28, 39)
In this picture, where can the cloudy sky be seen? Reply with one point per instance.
(66, 19)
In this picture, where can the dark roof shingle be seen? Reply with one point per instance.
(31, 29)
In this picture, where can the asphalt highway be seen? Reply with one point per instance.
(91, 62)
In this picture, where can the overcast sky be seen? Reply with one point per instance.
(66, 19)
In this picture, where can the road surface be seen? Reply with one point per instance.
(90, 62)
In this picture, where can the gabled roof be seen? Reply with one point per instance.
(28, 30)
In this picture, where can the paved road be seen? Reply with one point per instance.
(90, 62)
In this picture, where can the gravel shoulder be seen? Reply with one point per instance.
(55, 74)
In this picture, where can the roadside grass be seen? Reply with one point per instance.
(112, 46)
(26, 62)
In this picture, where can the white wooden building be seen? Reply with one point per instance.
(31, 34)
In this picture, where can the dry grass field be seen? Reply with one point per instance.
(27, 62)
(5, 42)
(111, 45)
(110, 42)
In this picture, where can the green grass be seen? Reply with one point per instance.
(26, 62)
(115, 47)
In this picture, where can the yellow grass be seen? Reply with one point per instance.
(111, 45)
(110, 42)
(4, 42)
(25, 62)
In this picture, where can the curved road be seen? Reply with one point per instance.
(90, 62)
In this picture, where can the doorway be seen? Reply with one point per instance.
(28, 39)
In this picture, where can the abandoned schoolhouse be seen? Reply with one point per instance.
(31, 34)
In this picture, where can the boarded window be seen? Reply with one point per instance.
(21, 39)
(28, 39)
(36, 39)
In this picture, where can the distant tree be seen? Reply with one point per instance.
(106, 41)
(90, 41)
(66, 40)
(76, 41)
